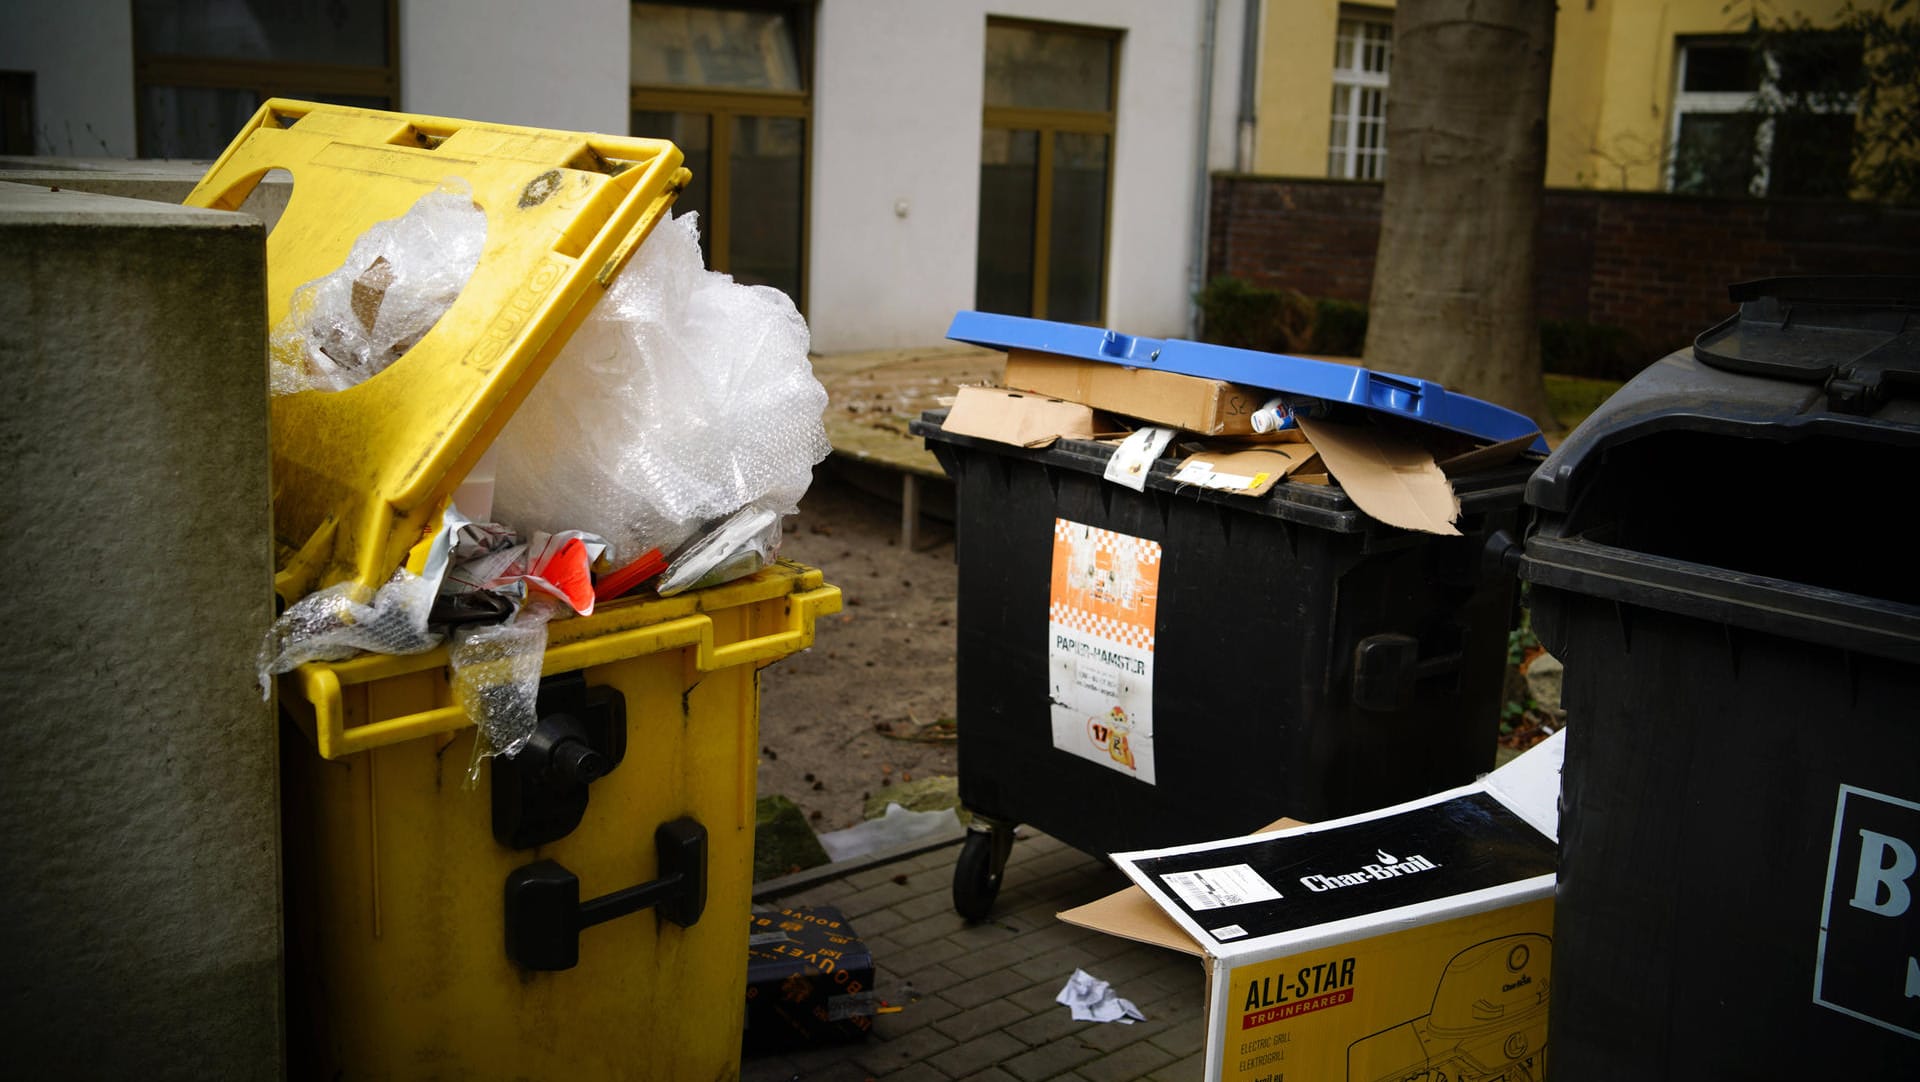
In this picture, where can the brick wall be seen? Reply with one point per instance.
(1654, 265)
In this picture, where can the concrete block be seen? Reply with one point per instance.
(139, 825)
(160, 181)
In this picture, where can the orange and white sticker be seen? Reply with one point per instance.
(1100, 631)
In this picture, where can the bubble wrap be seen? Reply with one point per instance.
(496, 678)
(400, 278)
(329, 625)
(683, 397)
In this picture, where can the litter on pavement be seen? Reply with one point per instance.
(1094, 1000)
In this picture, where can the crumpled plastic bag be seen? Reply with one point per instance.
(683, 397)
(399, 279)
(496, 679)
(329, 625)
(896, 827)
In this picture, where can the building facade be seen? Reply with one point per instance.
(1647, 95)
(886, 162)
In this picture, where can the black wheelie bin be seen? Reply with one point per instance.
(1723, 559)
(1284, 654)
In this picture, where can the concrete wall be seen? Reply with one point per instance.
(139, 809)
(81, 55)
(897, 112)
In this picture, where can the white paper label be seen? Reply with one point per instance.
(1218, 888)
(1134, 458)
(1100, 628)
(1204, 475)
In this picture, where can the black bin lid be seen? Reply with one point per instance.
(1837, 355)
(1756, 480)
(1858, 337)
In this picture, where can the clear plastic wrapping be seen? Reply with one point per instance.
(682, 414)
(329, 625)
(682, 398)
(400, 278)
(496, 678)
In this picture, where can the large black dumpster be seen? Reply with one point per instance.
(1723, 558)
(1305, 659)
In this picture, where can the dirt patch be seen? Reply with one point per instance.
(872, 702)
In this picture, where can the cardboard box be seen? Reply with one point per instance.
(1023, 420)
(809, 981)
(1411, 942)
(1210, 407)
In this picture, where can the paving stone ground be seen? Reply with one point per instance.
(977, 1000)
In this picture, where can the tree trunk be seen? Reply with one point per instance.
(1453, 283)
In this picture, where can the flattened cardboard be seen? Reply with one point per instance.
(1210, 407)
(1451, 975)
(1486, 458)
(1250, 471)
(1023, 420)
(1386, 475)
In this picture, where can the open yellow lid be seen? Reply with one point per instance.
(360, 474)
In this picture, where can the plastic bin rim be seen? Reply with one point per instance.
(621, 632)
(1383, 392)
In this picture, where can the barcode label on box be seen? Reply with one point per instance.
(852, 1005)
(1218, 888)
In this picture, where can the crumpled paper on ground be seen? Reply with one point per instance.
(1093, 1000)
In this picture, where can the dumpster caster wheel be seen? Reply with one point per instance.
(976, 876)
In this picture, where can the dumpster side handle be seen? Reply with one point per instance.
(335, 740)
(545, 916)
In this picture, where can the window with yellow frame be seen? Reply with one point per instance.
(1046, 170)
(729, 83)
(202, 67)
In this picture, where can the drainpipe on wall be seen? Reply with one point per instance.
(1202, 189)
(1249, 83)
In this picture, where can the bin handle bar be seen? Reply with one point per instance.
(335, 740)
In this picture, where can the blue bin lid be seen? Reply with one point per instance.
(1402, 396)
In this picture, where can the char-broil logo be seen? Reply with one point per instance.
(1869, 955)
(1384, 866)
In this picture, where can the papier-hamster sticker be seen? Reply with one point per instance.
(1488, 1022)
(1100, 627)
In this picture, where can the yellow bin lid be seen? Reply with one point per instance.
(360, 475)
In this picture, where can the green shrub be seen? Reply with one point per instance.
(1571, 347)
(1339, 328)
(1237, 313)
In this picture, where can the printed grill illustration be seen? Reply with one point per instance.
(1488, 1023)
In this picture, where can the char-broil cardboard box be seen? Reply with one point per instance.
(1411, 942)
(1210, 407)
(809, 981)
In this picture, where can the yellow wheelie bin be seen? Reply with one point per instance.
(579, 910)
